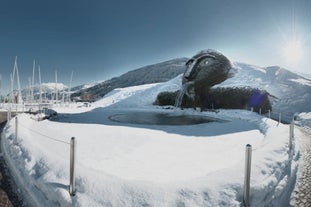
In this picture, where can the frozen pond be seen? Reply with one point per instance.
(154, 118)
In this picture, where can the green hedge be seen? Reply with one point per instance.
(221, 98)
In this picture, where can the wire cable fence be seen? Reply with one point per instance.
(281, 117)
(72, 144)
(249, 149)
(43, 135)
(285, 117)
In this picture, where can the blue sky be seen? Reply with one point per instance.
(100, 39)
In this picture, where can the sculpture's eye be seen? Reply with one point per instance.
(204, 62)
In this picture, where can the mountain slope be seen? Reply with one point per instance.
(156, 73)
(47, 89)
(292, 92)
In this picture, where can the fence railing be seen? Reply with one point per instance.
(248, 157)
(72, 143)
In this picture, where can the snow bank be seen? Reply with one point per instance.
(139, 165)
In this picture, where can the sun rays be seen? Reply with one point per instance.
(293, 51)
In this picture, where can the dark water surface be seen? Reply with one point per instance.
(154, 118)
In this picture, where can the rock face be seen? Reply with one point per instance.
(205, 70)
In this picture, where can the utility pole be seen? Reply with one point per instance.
(33, 80)
(19, 92)
(12, 89)
(69, 90)
(28, 100)
(56, 90)
(0, 89)
(40, 87)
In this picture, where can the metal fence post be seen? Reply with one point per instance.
(248, 160)
(293, 130)
(16, 131)
(269, 113)
(291, 135)
(260, 111)
(9, 114)
(280, 117)
(72, 187)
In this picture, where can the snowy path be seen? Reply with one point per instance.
(301, 196)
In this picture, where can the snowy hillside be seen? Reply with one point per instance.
(85, 86)
(292, 92)
(149, 74)
(46, 88)
(51, 86)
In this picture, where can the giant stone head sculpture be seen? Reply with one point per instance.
(204, 70)
(207, 68)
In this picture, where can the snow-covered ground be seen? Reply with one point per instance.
(304, 119)
(123, 164)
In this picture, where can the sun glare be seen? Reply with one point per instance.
(293, 52)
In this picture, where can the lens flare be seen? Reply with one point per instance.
(293, 51)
